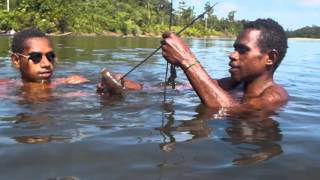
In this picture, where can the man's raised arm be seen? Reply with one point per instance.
(176, 52)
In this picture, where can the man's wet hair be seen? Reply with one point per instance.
(272, 37)
(19, 39)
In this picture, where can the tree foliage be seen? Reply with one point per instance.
(120, 16)
(306, 32)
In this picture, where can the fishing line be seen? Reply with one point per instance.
(167, 67)
(171, 79)
(173, 73)
(178, 33)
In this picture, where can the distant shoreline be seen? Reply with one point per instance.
(303, 39)
(150, 35)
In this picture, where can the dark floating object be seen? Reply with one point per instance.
(113, 86)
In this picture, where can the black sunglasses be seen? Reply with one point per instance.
(37, 56)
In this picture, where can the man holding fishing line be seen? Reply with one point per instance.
(258, 51)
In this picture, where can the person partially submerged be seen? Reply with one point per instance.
(258, 51)
(33, 56)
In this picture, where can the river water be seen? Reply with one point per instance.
(139, 137)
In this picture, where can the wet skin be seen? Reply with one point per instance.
(31, 71)
(36, 76)
(42, 71)
(249, 67)
(112, 83)
(251, 74)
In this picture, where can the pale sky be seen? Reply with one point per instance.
(291, 14)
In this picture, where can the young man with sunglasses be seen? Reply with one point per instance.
(258, 51)
(33, 55)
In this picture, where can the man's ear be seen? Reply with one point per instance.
(15, 60)
(272, 57)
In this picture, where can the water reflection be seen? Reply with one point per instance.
(34, 93)
(40, 124)
(36, 139)
(106, 99)
(254, 135)
(197, 127)
(93, 133)
(32, 121)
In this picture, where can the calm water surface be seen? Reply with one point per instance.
(138, 137)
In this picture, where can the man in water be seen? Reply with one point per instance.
(258, 51)
(32, 54)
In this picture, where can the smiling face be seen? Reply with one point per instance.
(246, 61)
(33, 71)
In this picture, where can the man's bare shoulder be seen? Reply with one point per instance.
(275, 94)
(271, 98)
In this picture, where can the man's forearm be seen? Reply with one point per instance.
(209, 91)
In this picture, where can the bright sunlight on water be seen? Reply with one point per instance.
(47, 135)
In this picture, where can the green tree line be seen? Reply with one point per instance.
(306, 32)
(127, 17)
